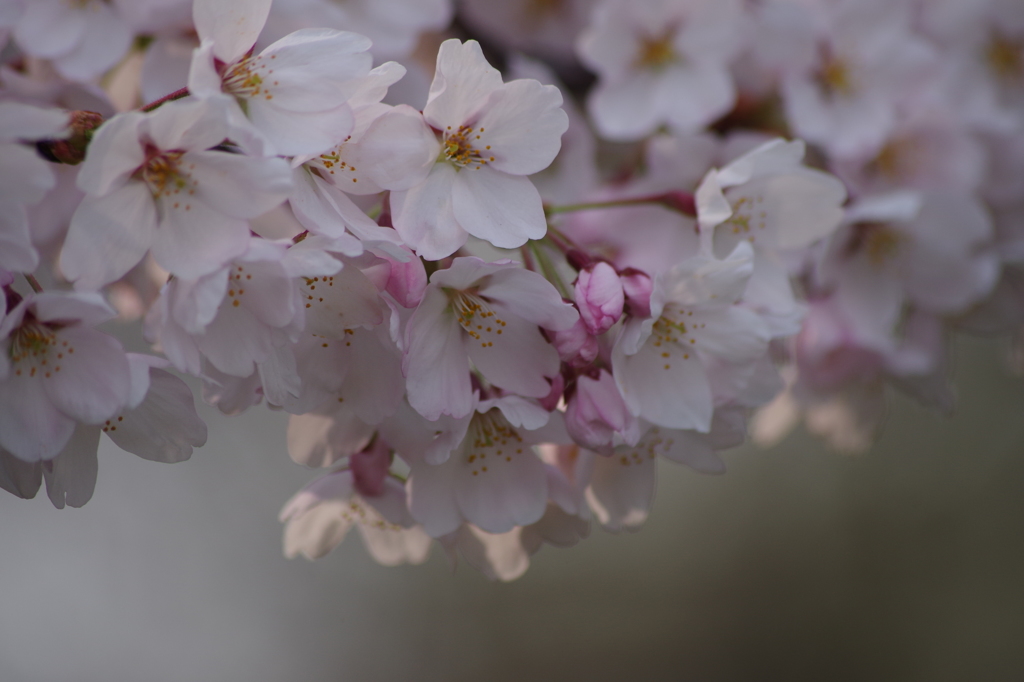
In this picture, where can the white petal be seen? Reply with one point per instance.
(621, 488)
(94, 381)
(165, 426)
(672, 392)
(435, 364)
(71, 478)
(462, 81)
(522, 124)
(114, 153)
(240, 186)
(505, 210)
(424, 218)
(319, 440)
(506, 491)
(511, 353)
(31, 428)
(26, 176)
(195, 240)
(16, 251)
(108, 236)
(232, 26)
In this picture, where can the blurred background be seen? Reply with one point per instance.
(906, 563)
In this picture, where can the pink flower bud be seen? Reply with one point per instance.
(407, 281)
(575, 345)
(550, 401)
(596, 412)
(599, 297)
(637, 286)
(370, 469)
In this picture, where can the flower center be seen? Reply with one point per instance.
(878, 240)
(671, 334)
(250, 78)
(1005, 57)
(163, 175)
(458, 148)
(476, 317)
(35, 349)
(656, 52)
(834, 76)
(492, 440)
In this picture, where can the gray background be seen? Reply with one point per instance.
(799, 564)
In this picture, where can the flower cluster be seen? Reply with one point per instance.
(487, 322)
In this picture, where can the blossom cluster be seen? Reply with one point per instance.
(490, 301)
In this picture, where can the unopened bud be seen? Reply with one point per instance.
(71, 150)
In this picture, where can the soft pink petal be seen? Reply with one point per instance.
(462, 81)
(232, 26)
(435, 364)
(505, 210)
(521, 126)
(195, 240)
(239, 186)
(424, 217)
(94, 380)
(31, 428)
(71, 478)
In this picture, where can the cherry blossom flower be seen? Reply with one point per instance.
(82, 39)
(491, 135)
(57, 371)
(489, 314)
(661, 363)
(660, 62)
(295, 92)
(153, 183)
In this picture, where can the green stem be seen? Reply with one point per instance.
(34, 283)
(675, 200)
(548, 269)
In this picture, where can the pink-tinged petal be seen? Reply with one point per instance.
(94, 381)
(706, 281)
(467, 272)
(19, 478)
(195, 302)
(396, 152)
(27, 177)
(337, 485)
(596, 412)
(521, 126)
(16, 251)
(435, 365)
(637, 287)
(240, 186)
(269, 294)
(189, 124)
(691, 97)
(519, 412)
(108, 236)
(505, 210)
(599, 297)
(735, 335)
(530, 296)
(88, 307)
(391, 547)
(232, 26)
(31, 428)
(319, 440)
(514, 356)
(114, 154)
(203, 79)
(686, 447)
(19, 121)
(319, 530)
(462, 81)
(313, 69)
(313, 207)
(279, 376)
(671, 392)
(165, 426)
(374, 384)
(71, 477)
(621, 488)
(499, 556)
(432, 498)
(105, 40)
(235, 341)
(49, 28)
(296, 133)
(195, 240)
(138, 367)
(347, 300)
(625, 110)
(507, 490)
(407, 281)
(352, 217)
(231, 395)
(424, 217)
